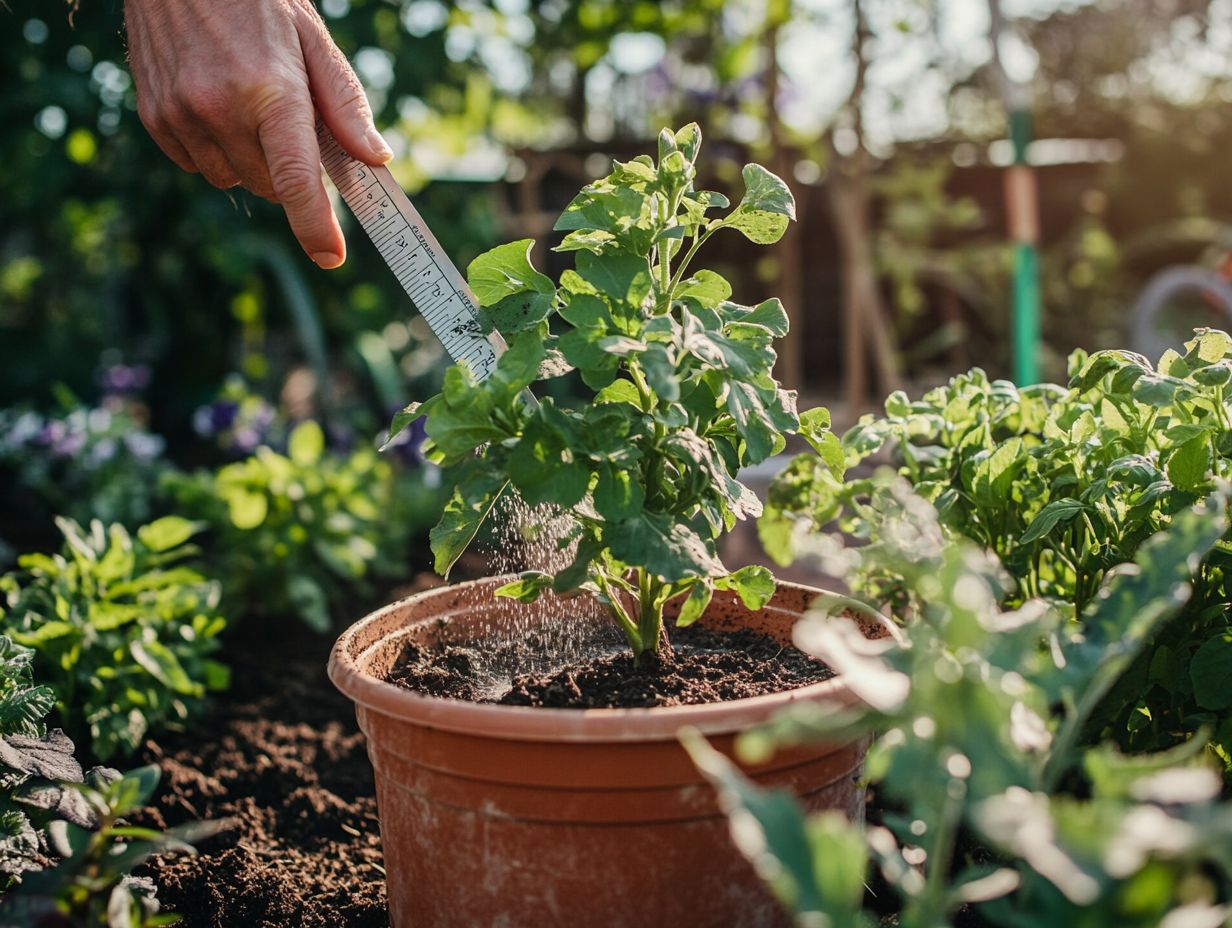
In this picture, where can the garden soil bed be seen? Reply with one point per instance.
(281, 759)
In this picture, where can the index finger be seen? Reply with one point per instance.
(287, 132)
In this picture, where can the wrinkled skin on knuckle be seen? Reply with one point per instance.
(272, 100)
(347, 87)
(295, 181)
(202, 100)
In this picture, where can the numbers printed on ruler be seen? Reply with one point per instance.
(403, 239)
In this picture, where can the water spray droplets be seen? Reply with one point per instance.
(557, 630)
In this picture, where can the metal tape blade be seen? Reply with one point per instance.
(430, 279)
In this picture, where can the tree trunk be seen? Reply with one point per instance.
(864, 312)
(789, 285)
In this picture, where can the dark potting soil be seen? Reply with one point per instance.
(281, 760)
(703, 666)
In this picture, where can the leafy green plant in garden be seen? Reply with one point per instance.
(645, 469)
(990, 798)
(1063, 484)
(122, 629)
(301, 531)
(49, 808)
(93, 885)
(23, 705)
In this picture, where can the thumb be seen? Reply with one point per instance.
(338, 93)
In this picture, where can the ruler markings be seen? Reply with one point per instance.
(430, 279)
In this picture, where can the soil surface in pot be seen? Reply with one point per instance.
(703, 666)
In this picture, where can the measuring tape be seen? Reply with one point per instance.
(430, 279)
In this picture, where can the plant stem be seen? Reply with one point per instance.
(650, 614)
(931, 903)
(618, 613)
(684, 264)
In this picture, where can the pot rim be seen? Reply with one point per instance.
(531, 723)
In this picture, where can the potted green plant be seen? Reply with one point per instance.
(505, 814)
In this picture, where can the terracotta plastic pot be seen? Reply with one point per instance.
(515, 817)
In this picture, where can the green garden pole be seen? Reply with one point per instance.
(1022, 213)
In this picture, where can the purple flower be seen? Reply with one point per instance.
(245, 440)
(124, 379)
(67, 444)
(215, 418)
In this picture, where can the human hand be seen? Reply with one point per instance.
(232, 88)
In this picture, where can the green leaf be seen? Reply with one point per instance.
(695, 604)
(161, 663)
(766, 208)
(596, 241)
(672, 550)
(754, 585)
(689, 141)
(464, 513)
(44, 633)
(815, 429)
(618, 494)
(1214, 375)
(752, 420)
(661, 372)
(543, 465)
(995, 474)
(1098, 367)
(622, 280)
(1209, 347)
(626, 213)
(620, 391)
(515, 297)
(402, 418)
(706, 288)
(247, 509)
(1160, 391)
(167, 533)
(518, 367)
(306, 444)
(1188, 464)
(527, 587)
(506, 270)
(770, 314)
(1211, 673)
(1058, 512)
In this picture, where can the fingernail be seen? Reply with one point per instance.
(378, 144)
(327, 259)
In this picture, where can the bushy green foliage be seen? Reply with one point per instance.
(122, 629)
(978, 717)
(1063, 484)
(305, 530)
(93, 884)
(49, 808)
(682, 395)
(23, 705)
